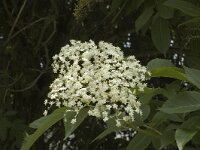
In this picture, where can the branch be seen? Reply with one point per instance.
(31, 84)
(17, 18)
(24, 28)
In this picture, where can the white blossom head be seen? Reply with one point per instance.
(98, 77)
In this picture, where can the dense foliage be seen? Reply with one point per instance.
(162, 34)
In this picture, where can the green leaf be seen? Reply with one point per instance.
(159, 63)
(145, 111)
(160, 34)
(170, 72)
(193, 76)
(69, 127)
(196, 139)
(165, 12)
(156, 143)
(111, 122)
(159, 118)
(139, 142)
(42, 127)
(133, 5)
(172, 89)
(186, 7)
(138, 3)
(37, 123)
(192, 21)
(147, 94)
(106, 132)
(172, 126)
(193, 51)
(182, 103)
(143, 18)
(167, 138)
(192, 123)
(183, 136)
(175, 117)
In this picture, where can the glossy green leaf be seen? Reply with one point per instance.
(170, 72)
(42, 127)
(160, 34)
(184, 6)
(182, 136)
(159, 63)
(193, 76)
(139, 142)
(69, 127)
(182, 103)
(143, 18)
(37, 123)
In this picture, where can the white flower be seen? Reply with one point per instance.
(45, 112)
(118, 123)
(73, 121)
(45, 102)
(99, 77)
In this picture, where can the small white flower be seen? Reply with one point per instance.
(45, 112)
(45, 102)
(73, 121)
(118, 123)
(105, 119)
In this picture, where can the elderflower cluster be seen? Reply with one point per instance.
(98, 77)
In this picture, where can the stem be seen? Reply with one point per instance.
(153, 129)
(156, 133)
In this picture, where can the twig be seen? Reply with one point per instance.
(30, 86)
(4, 97)
(17, 18)
(51, 35)
(6, 8)
(11, 84)
(24, 28)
